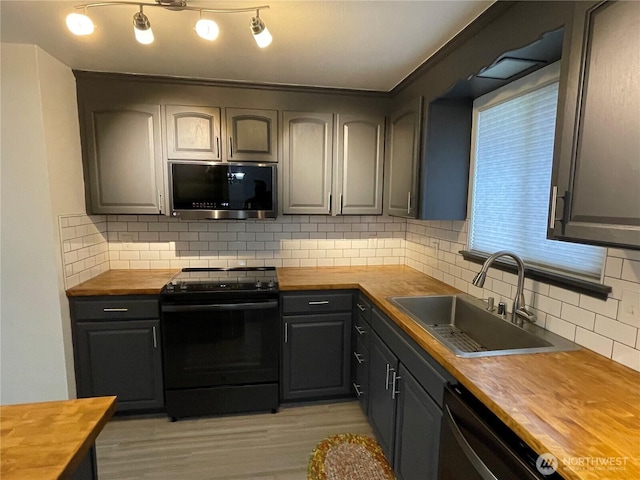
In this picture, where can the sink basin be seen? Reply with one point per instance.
(464, 325)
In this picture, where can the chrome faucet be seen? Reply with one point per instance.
(519, 312)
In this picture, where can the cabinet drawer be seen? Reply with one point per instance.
(363, 308)
(362, 331)
(115, 308)
(317, 302)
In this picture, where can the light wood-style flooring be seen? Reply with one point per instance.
(244, 447)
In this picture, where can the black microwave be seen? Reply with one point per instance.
(223, 190)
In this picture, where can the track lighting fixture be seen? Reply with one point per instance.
(206, 28)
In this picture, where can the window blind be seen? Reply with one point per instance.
(511, 181)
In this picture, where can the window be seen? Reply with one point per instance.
(512, 154)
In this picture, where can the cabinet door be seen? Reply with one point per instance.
(120, 358)
(252, 135)
(123, 155)
(596, 174)
(417, 431)
(382, 403)
(307, 162)
(403, 155)
(192, 133)
(360, 158)
(316, 356)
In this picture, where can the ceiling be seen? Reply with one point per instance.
(363, 45)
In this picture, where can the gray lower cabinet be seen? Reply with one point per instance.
(595, 192)
(118, 354)
(406, 389)
(361, 344)
(403, 155)
(122, 151)
(317, 345)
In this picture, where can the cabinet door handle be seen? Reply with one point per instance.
(340, 204)
(360, 330)
(329, 207)
(111, 310)
(361, 307)
(230, 147)
(358, 357)
(356, 387)
(319, 302)
(218, 147)
(155, 338)
(386, 380)
(394, 385)
(160, 201)
(286, 332)
(408, 203)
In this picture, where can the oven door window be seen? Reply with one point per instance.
(220, 347)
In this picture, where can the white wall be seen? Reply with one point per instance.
(41, 179)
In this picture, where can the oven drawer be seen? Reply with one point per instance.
(316, 302)
(119, 308)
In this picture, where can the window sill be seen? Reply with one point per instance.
(585, 287)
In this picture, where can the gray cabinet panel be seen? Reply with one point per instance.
(360, 159)
(307, 162)
(120, 358)
(382, 404)
(124, 158)
(596, 159)
(417, 431)
(315, 356)
(401, 189)
(192, 133)
(252, 135)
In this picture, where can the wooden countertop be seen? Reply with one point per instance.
(47, 441)
(124, 282)
(581, 407)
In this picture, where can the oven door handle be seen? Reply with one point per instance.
(221, 306)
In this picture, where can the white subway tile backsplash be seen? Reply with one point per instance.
(593, 341)
(621, 332)
(626, 355)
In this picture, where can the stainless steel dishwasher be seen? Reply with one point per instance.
(477, 445)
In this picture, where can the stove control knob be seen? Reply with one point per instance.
(258, 284)
(183, 286)
(271, 284)
(169, 287)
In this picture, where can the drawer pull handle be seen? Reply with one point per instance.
(358, 357)
(361, 307)
(155, 338)
(360, 330)
(320, 302)
(115, 309)
(394, 386)
(386, 381)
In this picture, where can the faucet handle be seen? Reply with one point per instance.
(490, 304)
(502, 308)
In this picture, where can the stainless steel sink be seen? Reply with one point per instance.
(464, 325)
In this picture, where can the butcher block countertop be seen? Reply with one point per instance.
(47, 441)
(124, 282)
(580, 406)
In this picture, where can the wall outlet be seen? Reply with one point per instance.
(127, 241)
(373, 243)
(630, 308)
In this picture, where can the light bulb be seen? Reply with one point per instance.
(79, 24)
(142, 28)
(207, 29)
(260, 32)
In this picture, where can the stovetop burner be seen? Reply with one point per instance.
(222, 279)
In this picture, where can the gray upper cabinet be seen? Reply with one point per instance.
(401, 189)
(307, 162)
(252, 135)
(192, 133)
(123, 158)
(359, 167)
(595, 192)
